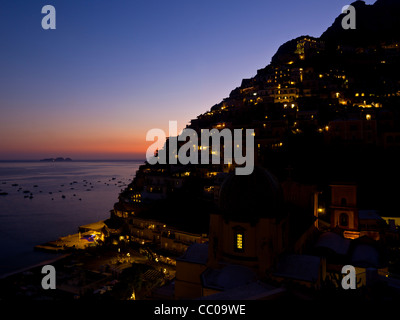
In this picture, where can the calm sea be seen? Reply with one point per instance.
(46, 200)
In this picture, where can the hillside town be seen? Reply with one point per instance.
(326, 121)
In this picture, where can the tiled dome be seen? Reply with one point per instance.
(248, 198)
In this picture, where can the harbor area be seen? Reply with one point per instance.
(116, 272)
(97, 262)
(88, 236)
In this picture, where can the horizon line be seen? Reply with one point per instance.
(72, 160)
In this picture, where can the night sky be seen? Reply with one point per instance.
(112, 70)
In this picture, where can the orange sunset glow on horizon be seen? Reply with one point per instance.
(108, 74)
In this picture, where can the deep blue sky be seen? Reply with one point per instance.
(112, 70)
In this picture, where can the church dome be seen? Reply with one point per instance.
(248, 198)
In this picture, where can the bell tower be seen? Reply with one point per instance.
(344, 212)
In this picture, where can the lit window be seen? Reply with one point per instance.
(239, 241)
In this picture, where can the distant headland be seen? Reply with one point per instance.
(56, 159)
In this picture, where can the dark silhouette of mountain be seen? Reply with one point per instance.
(327, 108)
(374, 24)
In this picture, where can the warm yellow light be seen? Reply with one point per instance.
(239, 241)
(368, 117)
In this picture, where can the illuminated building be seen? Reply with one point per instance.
(251, 215)
(308, 47)
(344, 212)
(347, 217)
(248, 244)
